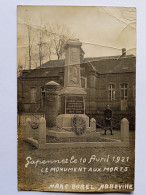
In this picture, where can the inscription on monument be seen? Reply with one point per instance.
(74, 105)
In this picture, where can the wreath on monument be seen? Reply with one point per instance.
(34, 125)
(78, 125)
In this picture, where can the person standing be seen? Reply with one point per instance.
(108, 117)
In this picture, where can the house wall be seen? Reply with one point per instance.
(37, 79)
(97, 92)
(117, 79)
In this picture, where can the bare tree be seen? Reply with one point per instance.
(50, 42)
(40, 45)
(44, 45)
(59, 35)
(29, 45)
(31, 35)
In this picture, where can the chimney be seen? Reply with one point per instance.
(123, 52)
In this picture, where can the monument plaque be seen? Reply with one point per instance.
(74, 105)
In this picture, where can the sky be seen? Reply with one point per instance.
(103, 31)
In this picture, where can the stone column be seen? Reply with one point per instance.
(51, 103)
(72, 94)
(124, 130)
(42, 132)
(28, 128)
(72, 63)
(93, 124)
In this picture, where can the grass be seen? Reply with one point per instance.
(32, 178)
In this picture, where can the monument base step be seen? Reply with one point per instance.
(66, 134)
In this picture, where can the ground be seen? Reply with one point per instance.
(31, 178)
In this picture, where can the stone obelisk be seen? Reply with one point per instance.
(72, 95)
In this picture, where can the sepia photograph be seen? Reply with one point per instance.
(76, 97)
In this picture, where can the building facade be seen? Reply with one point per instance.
(107, 80)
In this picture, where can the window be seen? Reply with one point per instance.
(124, 91)
(42, 97)
(42, 91)
(84, 82)
(111, 92)
(33, 94)
(134, 90)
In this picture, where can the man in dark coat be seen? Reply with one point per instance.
(108, 117)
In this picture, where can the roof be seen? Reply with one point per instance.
(53, 83)
(53, 63)
(115, 65)
(103, 65)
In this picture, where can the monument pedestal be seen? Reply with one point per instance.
(67, 134)
(73, 103)
(64, 121)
